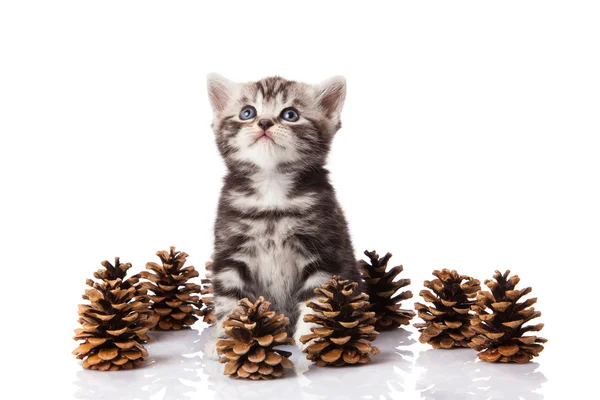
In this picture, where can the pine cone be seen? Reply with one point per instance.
(207, 308)
(254, 332)
(447, 321)
(499, 331)
(114, 323)
(175, 300)
(345, 326)
(381, 288)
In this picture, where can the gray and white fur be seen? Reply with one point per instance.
(280, 231)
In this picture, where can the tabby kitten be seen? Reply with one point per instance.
(280, 231)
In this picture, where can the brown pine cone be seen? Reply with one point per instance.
(345, 326)
(382, 289)
(114, 324)
(500, 320)
(254, 332)
(447, 320)
(175, 300)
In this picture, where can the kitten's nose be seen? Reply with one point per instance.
(265, 124)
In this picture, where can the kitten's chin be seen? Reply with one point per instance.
(266, 154)
(266, 140)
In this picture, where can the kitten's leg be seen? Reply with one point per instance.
(307, 294)
(302, 327)
(223, 307)
(229, 288)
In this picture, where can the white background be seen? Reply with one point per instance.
(469, 141)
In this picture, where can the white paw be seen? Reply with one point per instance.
(210, 350)
(303, 329)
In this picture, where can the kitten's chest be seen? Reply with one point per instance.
(272, 249)
(274, 254)
(276, 240)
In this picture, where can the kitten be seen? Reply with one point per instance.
(280, 231)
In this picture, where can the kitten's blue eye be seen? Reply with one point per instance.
(290, 114)
(248, 112)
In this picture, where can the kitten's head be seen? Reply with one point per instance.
(274, 122)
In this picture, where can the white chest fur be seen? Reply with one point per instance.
(272, 256)
(271, 250)
(271, 192)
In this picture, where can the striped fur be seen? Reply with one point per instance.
(280, 231)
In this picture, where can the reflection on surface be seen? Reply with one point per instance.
(225, 388)
(508, 381)
(457, 374)
(169, 373)
(446, 376)
(384, 376)
(177, 369)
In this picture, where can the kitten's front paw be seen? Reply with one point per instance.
(301, 330)
(210, 350)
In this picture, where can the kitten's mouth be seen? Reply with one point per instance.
(268, 139)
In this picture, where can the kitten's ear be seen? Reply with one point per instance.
(220, 91)
(331, 95)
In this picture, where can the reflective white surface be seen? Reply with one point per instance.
(404, 369)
